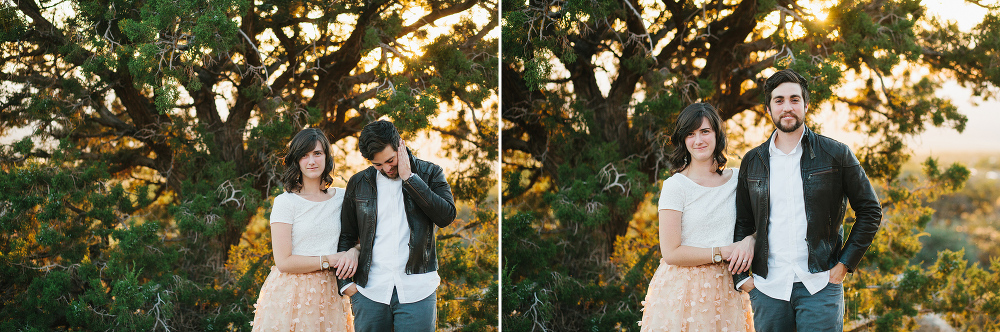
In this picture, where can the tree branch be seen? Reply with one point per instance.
(31, 9)
(346, 58)
(434, 15)
(494, 21)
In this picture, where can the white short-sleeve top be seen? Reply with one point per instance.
(708, 213)
(315, 225)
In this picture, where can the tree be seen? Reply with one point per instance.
(156, 134)
(591, 89)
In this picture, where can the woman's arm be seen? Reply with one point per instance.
(281, 246)
(670, 243)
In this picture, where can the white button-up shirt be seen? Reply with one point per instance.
(788, 257)
(392, 249)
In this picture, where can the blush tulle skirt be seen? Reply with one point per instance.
(302, 302)
(695, 298)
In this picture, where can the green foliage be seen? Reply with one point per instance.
(12, 24)
(137, 201)
(413, 110)
(469, 295)
(536, 71)
(525, 303)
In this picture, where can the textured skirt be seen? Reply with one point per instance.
(302, 302)
(695, 298)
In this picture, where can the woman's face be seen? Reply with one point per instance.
(312, 163)
(700, 143)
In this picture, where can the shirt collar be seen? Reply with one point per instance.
(775, 151)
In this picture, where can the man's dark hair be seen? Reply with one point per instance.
(303, 143)
(785, 76)
(375, 136)
(687, 122)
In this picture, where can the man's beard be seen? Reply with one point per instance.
(387, 175)
(794, 126)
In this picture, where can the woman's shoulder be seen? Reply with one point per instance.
(676, 180)
(284, 197)
(283, 208)
(733, 180)
(286, 201)
(336, 194)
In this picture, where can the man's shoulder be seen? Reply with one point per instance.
(359, 176)
(836, 151)
(829, 145)
(828, 141)
(427, 167)
(756, 151)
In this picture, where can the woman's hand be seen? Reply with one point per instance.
(346, 263)
(741, 255)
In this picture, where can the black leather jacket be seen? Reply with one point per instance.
(831, 176)
(428, 201)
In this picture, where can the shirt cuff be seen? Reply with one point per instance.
(738, 285)
(412, 175)
(342, 289)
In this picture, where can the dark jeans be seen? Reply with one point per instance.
(371, 316)
(823, 311)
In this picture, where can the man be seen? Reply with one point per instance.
(793, 192)
(392, 208)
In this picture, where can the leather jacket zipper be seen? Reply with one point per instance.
(832, 170)
(767, 207)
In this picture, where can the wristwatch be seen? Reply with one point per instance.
(325, 263)
(718, 255)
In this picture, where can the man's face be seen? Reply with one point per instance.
(787, 107)
(385, 162)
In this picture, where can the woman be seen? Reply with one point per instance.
(300, 293)
(692, 289)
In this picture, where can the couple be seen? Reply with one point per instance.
(373, 241)
(785, 206)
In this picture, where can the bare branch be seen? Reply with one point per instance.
(435, 15)
(494, 21)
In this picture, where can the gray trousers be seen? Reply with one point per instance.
(371, 316)
(823, 311)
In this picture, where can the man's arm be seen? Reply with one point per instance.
(433, 196)
(867, 211)
(348, 227)
(745, 224)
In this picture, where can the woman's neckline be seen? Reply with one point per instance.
(732, 175)
(332, 196)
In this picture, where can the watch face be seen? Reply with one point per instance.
(718, 258)
(326, 265)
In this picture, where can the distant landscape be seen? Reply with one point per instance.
(968, 219)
